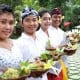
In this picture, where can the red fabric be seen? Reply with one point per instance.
(54, 77)
(56, 11)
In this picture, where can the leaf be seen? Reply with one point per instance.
(48, 44)
(26, 63)
(46, 55)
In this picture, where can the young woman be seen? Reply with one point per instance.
(10, 55)
(45, 23)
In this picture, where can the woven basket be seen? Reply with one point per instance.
(37, 73)
(69, 51)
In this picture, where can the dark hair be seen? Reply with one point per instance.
(42, 12)
(6, 8)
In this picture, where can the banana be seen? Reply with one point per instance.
(27, 71)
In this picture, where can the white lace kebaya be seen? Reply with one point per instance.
(10, 58)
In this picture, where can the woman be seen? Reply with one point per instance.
(43, 33)
(10, 55)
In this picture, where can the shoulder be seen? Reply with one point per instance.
(61, 31)
(51, 29)
(19, 42)
(39, 32)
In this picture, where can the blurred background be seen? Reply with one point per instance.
(70, 9)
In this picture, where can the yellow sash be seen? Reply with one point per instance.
(64, 70)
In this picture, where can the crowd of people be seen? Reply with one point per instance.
(32, 42)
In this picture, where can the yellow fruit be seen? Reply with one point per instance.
(10, 74)
(76, 40)
(27, 71)
(11, 70)
(47, 66)
(74, 46)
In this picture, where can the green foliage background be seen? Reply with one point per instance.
(70, 9)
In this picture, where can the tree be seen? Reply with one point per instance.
(32, 3)
(12, 3)
(76, 15)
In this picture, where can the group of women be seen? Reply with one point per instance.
(31, 43)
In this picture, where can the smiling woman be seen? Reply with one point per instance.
(10, 55)
(6, 25)
(43, 32)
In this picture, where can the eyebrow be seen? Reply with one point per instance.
(5, 19)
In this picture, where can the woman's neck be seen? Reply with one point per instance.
(46, 31)
(7, 44)
(4, 40)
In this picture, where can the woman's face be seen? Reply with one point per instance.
(46, 21)
(56, 20)
(6, 25)
(30, 24)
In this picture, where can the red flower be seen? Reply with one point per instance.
(67, 24)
